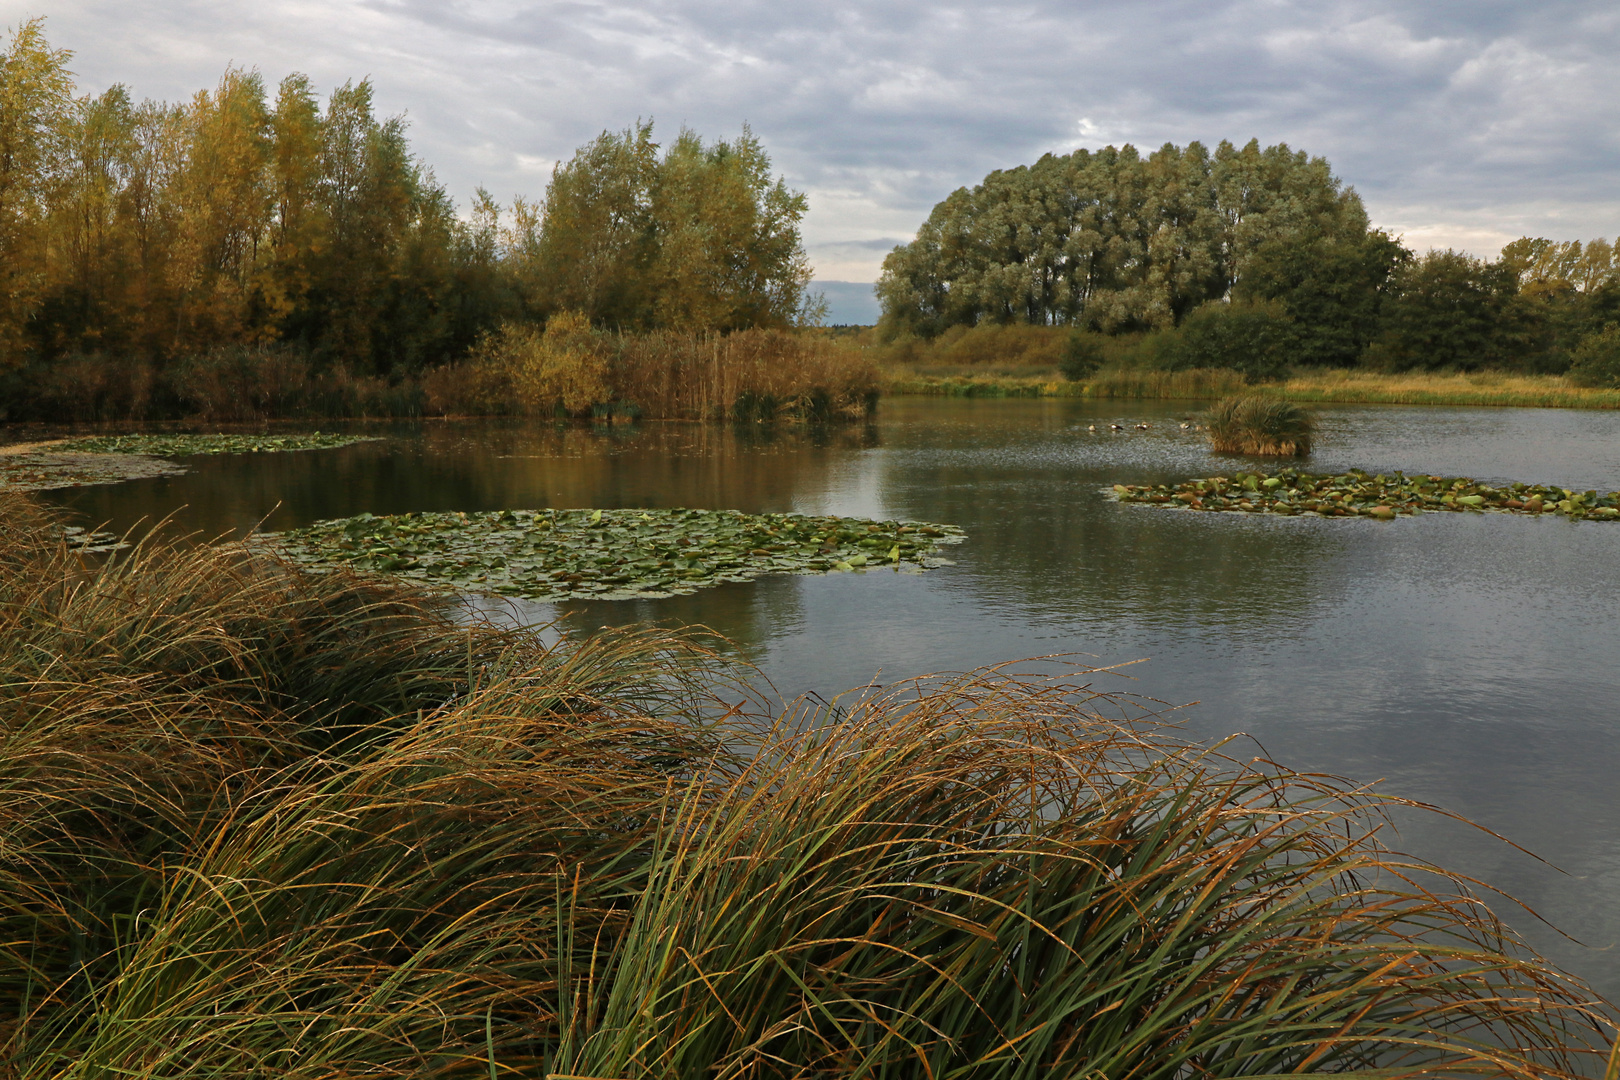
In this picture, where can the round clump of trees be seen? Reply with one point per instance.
(1253, 259)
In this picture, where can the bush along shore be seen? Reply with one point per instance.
(260, 822)
(1357, 494)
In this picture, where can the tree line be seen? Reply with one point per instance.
(259, 217)
(1254, 258)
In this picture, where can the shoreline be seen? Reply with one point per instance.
(1336, 388)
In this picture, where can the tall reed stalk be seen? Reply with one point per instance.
(666, 375)
(261, 823)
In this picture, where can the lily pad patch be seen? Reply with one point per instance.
(558, 555)
(1357, 494)
(222, 443)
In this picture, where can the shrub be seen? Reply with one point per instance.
(1448, 310)
(1252, 338)
(1260, 425)
(1595, 361)
(561, 368)
(86, 387)
(1083, 354)
(242, 382)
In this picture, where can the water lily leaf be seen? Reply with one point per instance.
(158, 445)
(1356, 494)
(606, 554)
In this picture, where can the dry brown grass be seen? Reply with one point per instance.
(257, 823)
(746, 375)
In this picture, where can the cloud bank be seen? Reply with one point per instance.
(1462, 124)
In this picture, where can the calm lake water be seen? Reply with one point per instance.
(1466, 660)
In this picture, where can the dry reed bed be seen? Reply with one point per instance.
(260, 823)
(570, 369)
(750, 374)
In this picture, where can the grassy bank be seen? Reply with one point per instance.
(1336, 387)
(258, 822)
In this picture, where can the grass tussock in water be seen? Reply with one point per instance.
(1263, 426)
(261, 822)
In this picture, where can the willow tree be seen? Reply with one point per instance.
(698, 237)
(1109, 239)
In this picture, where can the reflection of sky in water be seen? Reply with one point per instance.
(1469, 660)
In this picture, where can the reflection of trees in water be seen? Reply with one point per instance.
(490, 466)
(1061, 549)
(746, 615)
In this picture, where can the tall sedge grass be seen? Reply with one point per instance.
(1260, 425)
(260, 823)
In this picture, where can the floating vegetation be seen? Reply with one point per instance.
(1356, 494)
(46, 470)
(92, 541)
(609, 554)
(220, 443)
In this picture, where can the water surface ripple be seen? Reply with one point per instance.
(1467, 660)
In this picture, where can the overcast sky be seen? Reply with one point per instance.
(1463, 123)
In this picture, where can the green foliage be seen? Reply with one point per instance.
(701, 238)
(1109, 240)
(1596, 360)
(1254, 339)
(1082, 355)
(1332, 288)
(607, 554)
(1450, 310)
(261, 822)
(1355, 493)
(1264, 426)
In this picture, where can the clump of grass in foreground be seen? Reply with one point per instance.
(258, 821)
(1261, 426)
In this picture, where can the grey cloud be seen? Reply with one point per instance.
(1461, 121)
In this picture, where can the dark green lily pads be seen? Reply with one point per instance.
(187, 445)
(1356, 494)
(609, 554)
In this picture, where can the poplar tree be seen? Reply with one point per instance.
(1109, 239)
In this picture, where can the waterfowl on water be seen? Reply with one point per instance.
(1184, 427)
(1093, 427)
(1116, 427)
(1142, 427)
